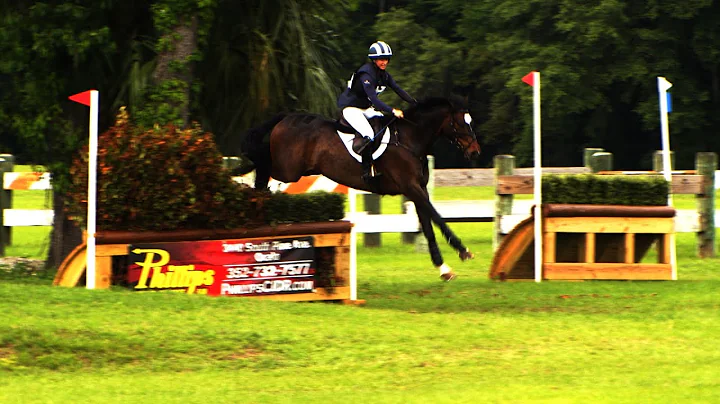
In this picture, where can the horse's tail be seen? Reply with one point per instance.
(253, 145)
(255, 148)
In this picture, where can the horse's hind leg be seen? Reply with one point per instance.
(435, 254)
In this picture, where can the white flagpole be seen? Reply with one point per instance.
(352, 199)
(663, 86)
(537, 177)
(92, 190)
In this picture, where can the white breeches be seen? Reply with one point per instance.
(358, 118)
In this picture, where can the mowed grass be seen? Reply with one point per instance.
(415, 340)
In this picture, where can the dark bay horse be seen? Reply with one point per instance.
(306, 144)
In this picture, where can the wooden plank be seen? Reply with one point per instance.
(629, 248)
(590, 247)
(329, 240)
(549, 247)
(607, 271)
(523, 184)
(111, 250)
(342, 265)
(664, 255)
(514, 184)
(485, 177)
(688, 184)
(103, 272)
(610, 225)
(473, 177)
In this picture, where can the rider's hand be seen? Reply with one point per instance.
(398, 113)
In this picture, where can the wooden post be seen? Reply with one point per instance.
(658, 161)
(6, 200)
(601, 161)
(372, 207)
(706, 164)
(587, 155)
(504, 165)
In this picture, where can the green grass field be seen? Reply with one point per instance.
(416, 340)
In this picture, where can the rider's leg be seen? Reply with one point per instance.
(356, 117)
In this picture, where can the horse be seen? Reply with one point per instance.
(302, 144)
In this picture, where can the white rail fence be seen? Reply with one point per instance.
(687, 221)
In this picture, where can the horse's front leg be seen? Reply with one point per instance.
(427, 215)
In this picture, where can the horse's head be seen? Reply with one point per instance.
(458, 129)
(456, 124)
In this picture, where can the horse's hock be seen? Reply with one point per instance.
(330, 249)
(584, 242)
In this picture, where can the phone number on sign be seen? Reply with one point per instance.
(267, 271)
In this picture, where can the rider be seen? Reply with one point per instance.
(359, 102)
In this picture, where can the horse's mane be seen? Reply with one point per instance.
(454, 102)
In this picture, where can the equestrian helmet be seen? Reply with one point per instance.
(380, 50)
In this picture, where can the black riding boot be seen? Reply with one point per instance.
(360, 144)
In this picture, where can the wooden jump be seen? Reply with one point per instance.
(331, 243)
(585, 242)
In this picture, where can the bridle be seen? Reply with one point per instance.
(455, 140)
(453, 124)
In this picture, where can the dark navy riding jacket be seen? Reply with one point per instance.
(367, 82)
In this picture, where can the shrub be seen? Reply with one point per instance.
(164, 178)
(651, 190)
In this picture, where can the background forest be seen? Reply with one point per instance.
(229, 64)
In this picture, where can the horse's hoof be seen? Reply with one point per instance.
(466, 255)
(447, 277)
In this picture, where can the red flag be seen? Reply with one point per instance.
(82, 98)
(529, 79)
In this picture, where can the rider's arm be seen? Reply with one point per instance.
(369, 85)
(399, 91)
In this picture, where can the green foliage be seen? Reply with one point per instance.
(266, 56)
(163, 178)
(605, 190)
(311, 207)
(423, 62)
(182, 26)
(163, 105)
(47, 48)
(598, 63)
(167, 178)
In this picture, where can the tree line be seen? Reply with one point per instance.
(230, 64)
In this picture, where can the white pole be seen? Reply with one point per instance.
(352, 198)
(537, 177)
(663, 86)
(92, 190)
